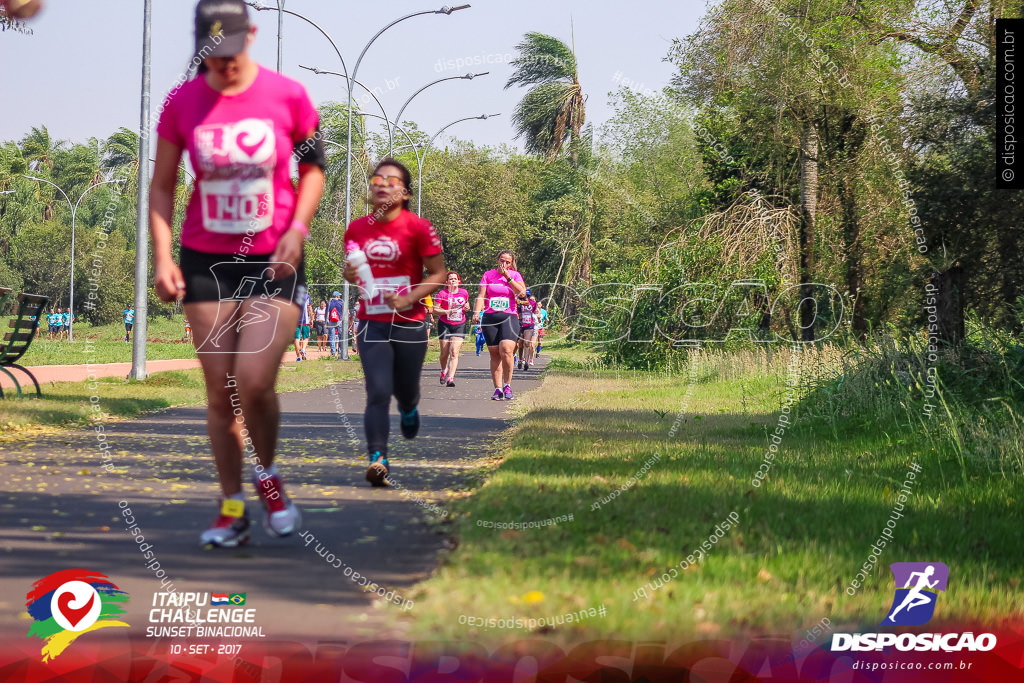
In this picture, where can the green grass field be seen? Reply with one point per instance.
(610, 497)
(107, 345)
(801, 538)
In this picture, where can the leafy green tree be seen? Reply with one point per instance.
(479, 201)
(41, 252)
(800, 83)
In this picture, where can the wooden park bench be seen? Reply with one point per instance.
(24, 324)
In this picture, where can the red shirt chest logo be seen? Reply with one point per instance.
(384, 249)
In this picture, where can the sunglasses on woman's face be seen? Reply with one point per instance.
(386, 181)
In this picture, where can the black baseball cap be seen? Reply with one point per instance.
(221, 28)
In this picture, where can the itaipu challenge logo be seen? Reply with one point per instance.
(71, 603)
(914, 603)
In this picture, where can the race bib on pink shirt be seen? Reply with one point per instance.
(457, 315)
(237, 189)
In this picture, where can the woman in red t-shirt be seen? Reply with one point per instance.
(241, 274)
(451, 304)
(392, 332)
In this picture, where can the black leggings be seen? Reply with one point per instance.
(392, 355)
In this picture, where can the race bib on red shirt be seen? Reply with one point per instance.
(399, 284)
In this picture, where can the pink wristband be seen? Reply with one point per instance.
(300, 226)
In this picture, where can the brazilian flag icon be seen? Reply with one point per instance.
(237, 598)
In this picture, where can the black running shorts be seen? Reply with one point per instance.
(449, 330)
(499, 327)
(220, 277)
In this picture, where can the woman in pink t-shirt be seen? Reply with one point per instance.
(499, 289)
(240, 275)
(451, 304)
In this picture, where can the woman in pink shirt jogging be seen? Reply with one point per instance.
(451, 304)
(240, 274)
(499, 289)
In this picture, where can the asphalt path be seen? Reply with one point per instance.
(61, 509)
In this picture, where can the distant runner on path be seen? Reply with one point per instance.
(129, 320)
(242, 274)
(451, 304)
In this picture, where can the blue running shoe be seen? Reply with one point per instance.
(378, 471)
(410, 423)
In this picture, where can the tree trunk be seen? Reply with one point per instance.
(1008, 238)
(808, 211)
(585, 260)
(558, 275)
(949, 304)
(852, 133)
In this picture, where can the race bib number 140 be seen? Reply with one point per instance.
(236, 208)
(237, 161)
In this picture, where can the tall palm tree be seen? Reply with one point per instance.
(121, 153)
(39, 148)
(79, 166)
(40, 151)
(553, 111)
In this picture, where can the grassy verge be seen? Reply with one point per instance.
(67, 404)
(107, 345)
(683, 453)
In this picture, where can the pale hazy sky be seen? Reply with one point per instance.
(80, 73)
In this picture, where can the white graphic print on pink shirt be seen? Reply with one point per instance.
(237, 160)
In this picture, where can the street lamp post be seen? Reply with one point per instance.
(464, 77)
(74, 213)
(280, 33)
(446, 10)
(426, 147)
(372, 94)
(141, 298)
(352, 157)
(348, 167)
(259, 7)
(419, 181)
(403, 131)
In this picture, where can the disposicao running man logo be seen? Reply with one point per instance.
(917, 586)
(70, 603)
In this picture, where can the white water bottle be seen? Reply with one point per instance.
(357, 258)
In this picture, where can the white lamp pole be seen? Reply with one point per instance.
(74, 213)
